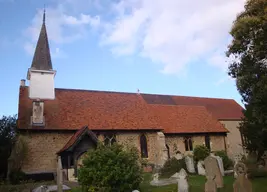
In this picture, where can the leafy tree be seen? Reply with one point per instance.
(248, 66)
(111, 169)
(7, 136)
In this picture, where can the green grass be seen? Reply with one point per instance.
(196, 184)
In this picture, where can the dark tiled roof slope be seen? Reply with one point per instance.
(102, 110)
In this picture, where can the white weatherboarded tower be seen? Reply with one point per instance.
(41, 74)
(41, 78)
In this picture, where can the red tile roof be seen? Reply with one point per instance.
(76, 137)
(100, 110)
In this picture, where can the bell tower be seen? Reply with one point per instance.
(41, 74)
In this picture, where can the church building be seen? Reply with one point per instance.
(66, 123)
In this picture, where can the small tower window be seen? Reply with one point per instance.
(143, 145)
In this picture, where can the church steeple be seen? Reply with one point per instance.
(41, 74)
(42, 58)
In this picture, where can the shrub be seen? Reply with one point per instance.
(227, 162)
(172, 166)
(15, 177)
(200, 153)
(252, 166)
(111, 169)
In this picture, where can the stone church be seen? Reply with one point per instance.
(68, 122)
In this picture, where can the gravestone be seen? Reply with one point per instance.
(179, 156)
(212, 168)
(220, 163)
(210, 185)
(242, 184)
(182, 181)
(264, 157)
(200, 168)
(162, 150)
(156, 177)
(189, 164)
(237, 159)
(59, 175)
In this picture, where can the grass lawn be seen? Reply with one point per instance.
(197, 183)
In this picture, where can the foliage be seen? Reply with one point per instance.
(171, 166)
(248, 66)
(227, 162)
(111, 168)
(253, 168)
(200, 153)
(7, 136)
(18, 154)
(16, 177)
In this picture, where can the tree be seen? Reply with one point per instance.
(248, 66)
(111, 169)
(7, 138)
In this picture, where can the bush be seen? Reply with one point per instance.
(111, 169)
(15, 177)
(200, 153)
(172, 166)
(252, 166)
(227, 162)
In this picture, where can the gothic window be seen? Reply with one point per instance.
(168, 151)
(207, 141)
(143, 146)
(188, 144)
(109, 139)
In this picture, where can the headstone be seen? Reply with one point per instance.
(212, 168)
(59, 175)
(182, 181)
(264, 157)
(156, 177)
(241, 184)
(237, 159)
(200, 168)
(179, 156)
(50, 188)
(220, 163)
(210, 185)
(189, 164)
(162, 150)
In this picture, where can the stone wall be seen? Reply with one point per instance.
(134, 140)
(176, 143)
(43, 147)
(233, 142)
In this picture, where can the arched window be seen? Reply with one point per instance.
(188, 144)
(168, 151)
(109, 139)
(143, 146)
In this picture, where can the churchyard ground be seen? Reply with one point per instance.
(196, 184)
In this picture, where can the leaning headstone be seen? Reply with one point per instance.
(212, 168)
(242, 184)
(189, 164)
(182, 181)
(220, 163)
(210, 185)
(59, 175)
(200, 168)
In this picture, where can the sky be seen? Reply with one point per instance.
(172, 47)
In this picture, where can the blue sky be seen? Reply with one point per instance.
(164, 47)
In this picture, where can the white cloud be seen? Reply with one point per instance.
(173, 32)
(61, 27)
